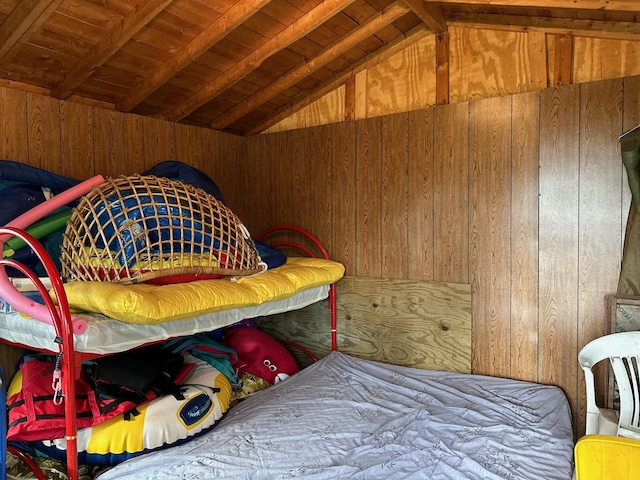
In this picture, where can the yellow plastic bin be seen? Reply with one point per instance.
(603, 457)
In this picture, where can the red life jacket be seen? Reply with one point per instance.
(34, 416)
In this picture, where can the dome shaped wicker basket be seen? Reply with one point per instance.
(139, 228)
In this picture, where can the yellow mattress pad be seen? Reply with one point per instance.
(148, 304)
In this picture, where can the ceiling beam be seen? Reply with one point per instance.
(131, 24)
(282, 40)
(24, 19)
(220, 28)
(576, 27)
(618, 5)
(430, 15)
(307, 98)
(326, 55)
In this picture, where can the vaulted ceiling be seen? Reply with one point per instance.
(239, 66)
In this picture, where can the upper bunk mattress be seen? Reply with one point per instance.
(121, 317)
(344, 417)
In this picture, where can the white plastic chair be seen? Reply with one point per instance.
(623, 351)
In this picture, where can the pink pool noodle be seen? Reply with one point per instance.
(8, 292)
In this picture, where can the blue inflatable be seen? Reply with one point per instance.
(186, 174)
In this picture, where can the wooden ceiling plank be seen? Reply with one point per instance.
(219, 29)
(131, 24)
(519, 23)
(25, 18)
(293, 32)
(619, 5)
(383, 18)
(430, 15)
(338, 79)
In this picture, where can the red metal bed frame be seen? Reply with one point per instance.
(62, 322)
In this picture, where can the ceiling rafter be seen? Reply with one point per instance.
(430, 15)
(220, 28)
(131, 24)
(618, 5)
(390, 14)
(26, 18)
(286, 37)
(521, 23)
(371, 26)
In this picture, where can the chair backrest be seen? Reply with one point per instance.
(623, 351)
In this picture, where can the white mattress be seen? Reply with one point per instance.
(349, 418)
(105, 335)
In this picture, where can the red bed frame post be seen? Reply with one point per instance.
(62, 322)
(302, 248)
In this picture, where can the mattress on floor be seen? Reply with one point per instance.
(348, 418)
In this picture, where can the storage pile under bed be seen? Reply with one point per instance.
(344, 417)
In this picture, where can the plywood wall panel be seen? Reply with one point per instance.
(43, 127)
(394, 191)
(599, 58)
(490, 233)
(451, 193)
(559, 237)
(525, 138)
(368, 261)
(406, 81)
(420, 213)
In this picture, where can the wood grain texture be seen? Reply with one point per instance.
(43, 120)
(413, 323)
(13, 139)
(109, 147)
(406, 81)
(599, 210)
(525, 138)
(76, 135)
(559, 238)
(420, 213)
(368, 260)
(343, 194)
(490, 232)
(159, 140)
(596, 59)
(451, 193)
(394, 191)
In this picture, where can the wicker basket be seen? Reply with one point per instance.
(139, 228)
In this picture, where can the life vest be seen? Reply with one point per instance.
(33, 415)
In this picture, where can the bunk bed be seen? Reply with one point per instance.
(86, 335)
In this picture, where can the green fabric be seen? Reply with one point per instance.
(629, 282)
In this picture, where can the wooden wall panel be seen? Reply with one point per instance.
(13, 137)
(394, 190)
(159, 141)
(76, 133)
(321, 173)
(559, 237)
(420, 214)
(109, 146)
(525, 138)
(490, 233)
(43, 121)
(599, 58)
(599, 210)
(134, 145)
(451, 193)
(368, 261)
(343, 193)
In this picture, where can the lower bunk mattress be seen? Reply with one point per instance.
(344, 417)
